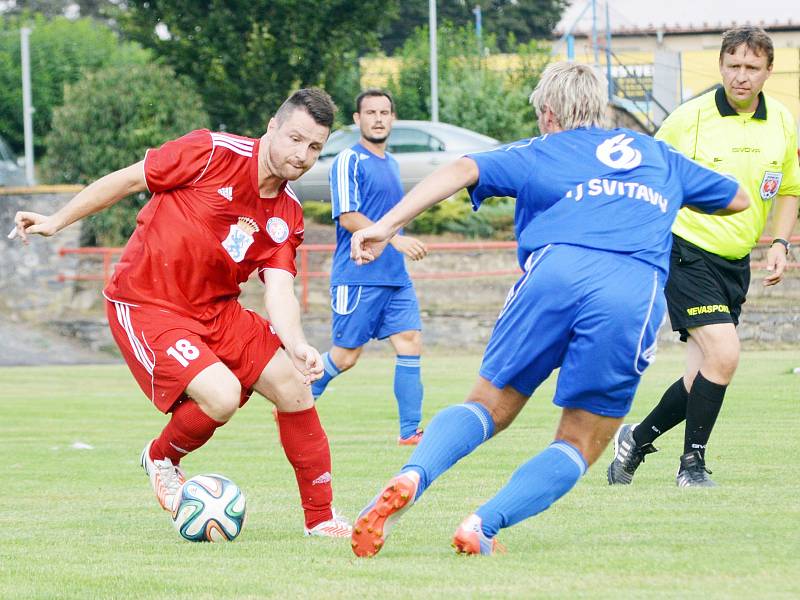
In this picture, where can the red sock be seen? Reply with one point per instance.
(306, 446)
(187, 430)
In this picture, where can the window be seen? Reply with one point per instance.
(344, 138)
(413, 140)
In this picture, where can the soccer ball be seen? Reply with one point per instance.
(209, 508)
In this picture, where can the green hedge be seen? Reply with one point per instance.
(495, 219)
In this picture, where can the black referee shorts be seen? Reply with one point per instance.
(704, 288)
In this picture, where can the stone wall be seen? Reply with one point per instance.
(29, 284)
(457, 314)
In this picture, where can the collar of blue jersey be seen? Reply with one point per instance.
(726, 110)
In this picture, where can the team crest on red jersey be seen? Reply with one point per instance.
(240, 238)
(277, 229)
(770, 184)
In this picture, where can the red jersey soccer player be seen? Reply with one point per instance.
(220, 209)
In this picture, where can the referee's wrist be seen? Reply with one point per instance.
(785, 243)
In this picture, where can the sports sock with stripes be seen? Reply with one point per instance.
(533, 487)
(408, 392)
(188, 429)
(331, 371)
(705, 402)
(305, 444)
(452, 434)
(668, 413)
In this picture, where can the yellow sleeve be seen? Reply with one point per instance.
(790, 184)
(679, 130)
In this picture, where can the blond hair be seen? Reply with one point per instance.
(577, 94)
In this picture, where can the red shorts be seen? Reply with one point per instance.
(165, 351)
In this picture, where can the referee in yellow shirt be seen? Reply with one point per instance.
(740, 131)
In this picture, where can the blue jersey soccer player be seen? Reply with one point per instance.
(377, 301)
(593, 217)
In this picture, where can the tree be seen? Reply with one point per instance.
(524, 19)
(108, 120)
(471, 94)
(61, 50)
(247, 56)
(59, 8)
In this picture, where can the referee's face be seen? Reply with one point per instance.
(743, 75)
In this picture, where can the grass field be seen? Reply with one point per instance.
(82, 523)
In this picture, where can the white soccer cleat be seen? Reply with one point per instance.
(335, 527)
(165, 478)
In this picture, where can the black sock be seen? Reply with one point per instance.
(705, 402)
(668, 413)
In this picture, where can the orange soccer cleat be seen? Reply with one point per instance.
(412, 440)
(470, 539)
(373, 524)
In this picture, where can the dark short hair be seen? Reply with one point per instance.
(315, 101)
(373, 93)
(755, 38)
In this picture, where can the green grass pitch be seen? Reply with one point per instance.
(84, 523)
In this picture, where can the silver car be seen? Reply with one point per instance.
(419, 147)
(11, 172)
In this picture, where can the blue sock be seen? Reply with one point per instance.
(331, 371)
(533, 487)
(452, 434)
(408, 391)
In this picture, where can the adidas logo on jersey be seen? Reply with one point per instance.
(226, 192)
(363, 156)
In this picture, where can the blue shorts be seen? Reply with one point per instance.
(595, 314)
(364, 312)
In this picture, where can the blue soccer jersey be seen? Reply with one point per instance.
(622, 196)
(367, 183)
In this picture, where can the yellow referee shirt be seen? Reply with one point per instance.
(759, 149)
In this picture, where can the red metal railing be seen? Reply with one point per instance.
(104, 252)
(306, 275)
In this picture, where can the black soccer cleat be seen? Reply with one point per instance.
(627, 456)
(693, 471)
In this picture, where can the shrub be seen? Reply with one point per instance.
(495, 219)
(108, 120)
(471, 95)
(61, 51)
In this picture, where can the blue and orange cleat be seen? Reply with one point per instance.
(412, 440)
(470, 539)
(374, 522)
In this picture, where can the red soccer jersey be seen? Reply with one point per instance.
(205, 229)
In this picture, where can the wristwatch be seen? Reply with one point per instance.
(782, 242)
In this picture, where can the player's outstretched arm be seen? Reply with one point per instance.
(740, 202)
(367, 244)
(411, 247)
(101, 194)
(783, 221)
(283, 311)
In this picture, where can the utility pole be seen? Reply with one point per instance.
(434, 61)
(478, 27)
(594, 34)
(27, 107)
(608, 55)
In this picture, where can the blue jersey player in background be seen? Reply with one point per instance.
(593, 220)
(378, 300)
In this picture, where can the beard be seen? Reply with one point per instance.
(376, 140)
(283, 169)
